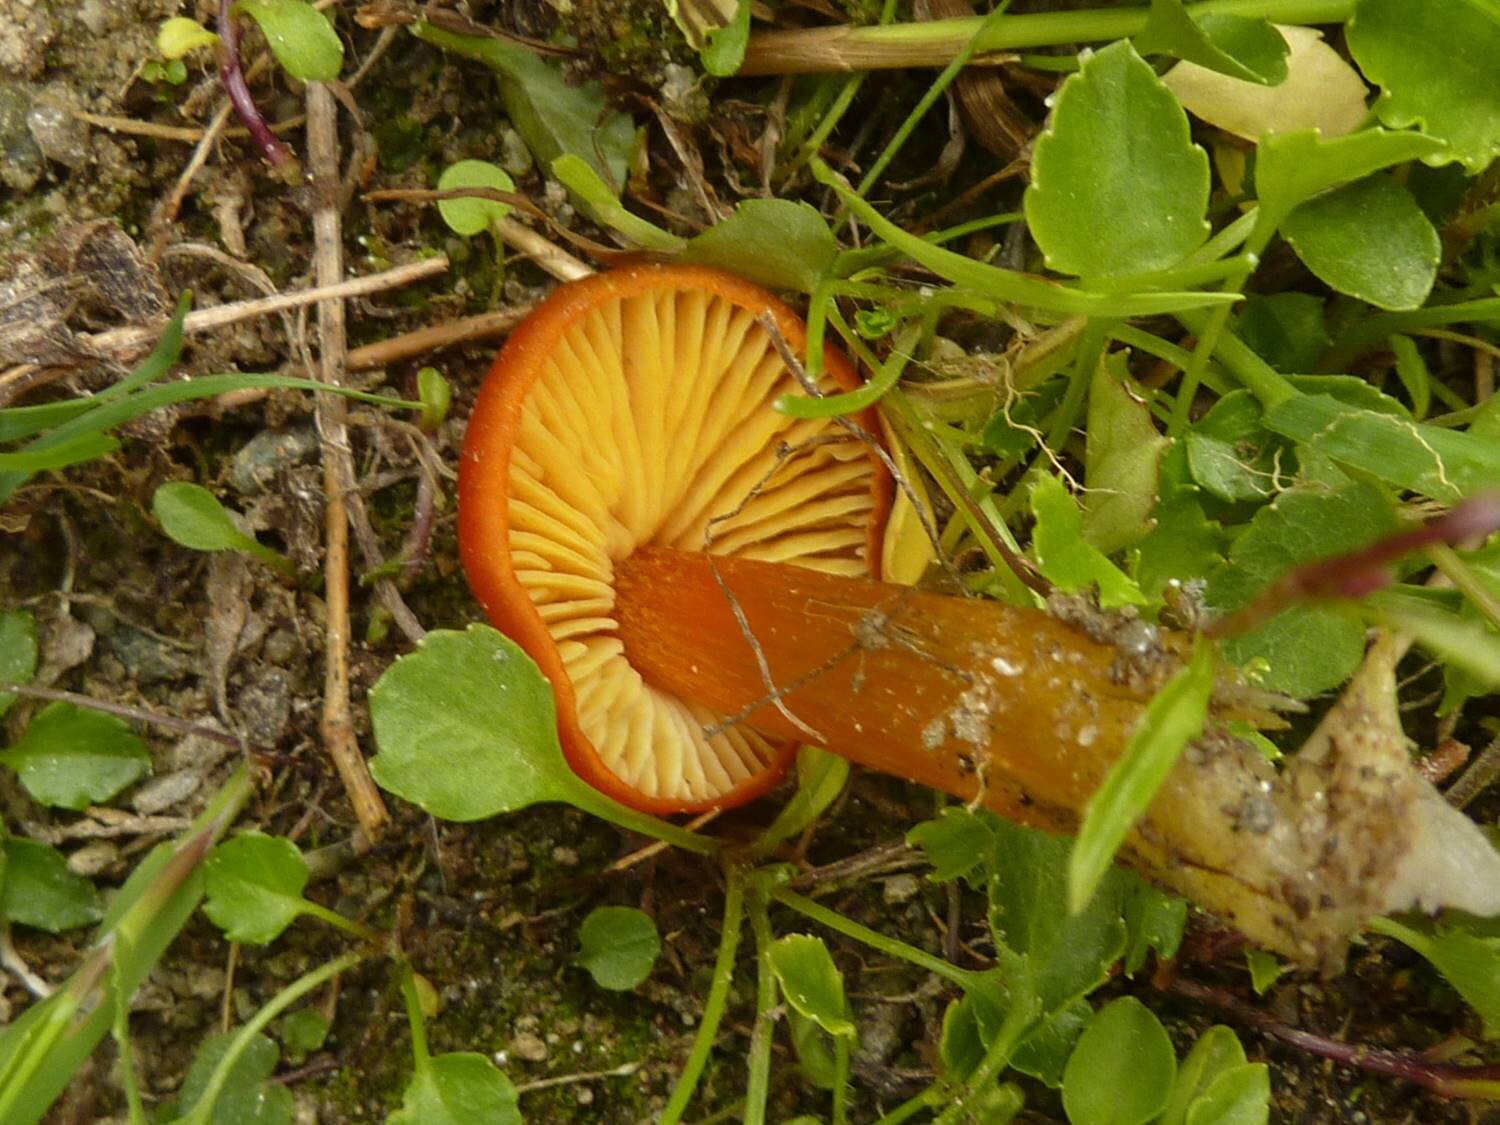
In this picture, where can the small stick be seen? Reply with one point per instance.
(124, 711)
(434, 338)
(337, 725)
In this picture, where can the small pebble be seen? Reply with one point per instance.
(899, 888)
(163, 793)
(529, 1047)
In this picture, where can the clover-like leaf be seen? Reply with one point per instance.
(253, 887)
(1368, 239)
(618, 946)
(1117, 185)
(1216, 1052)
(38, 889)
(956, 842)
(1122, 1070)
(461, 1088)
(1435, 65)
(70, 757)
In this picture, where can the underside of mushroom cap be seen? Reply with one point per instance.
(633, 408)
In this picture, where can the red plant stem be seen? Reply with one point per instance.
(1361, 572)
(232, 77)
(1440, 1078)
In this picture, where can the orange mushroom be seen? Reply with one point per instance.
(694, 573)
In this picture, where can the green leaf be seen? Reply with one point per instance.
(1368, 239)
(1065, 558)
(1264, 969)
(1432, 460)
(552, 116)
(466, 729)
(779, 243)
(72, 758)
(1120, 461)
(1435, 65)
(1292, 167)
(1306, 649)
(462, 1088)
(1045, 1052)
(619, 945)
(1412, 370)
(579, 177)
(725, 47)
(247, 1098)
(1469, 962)
(302, 1032)
(1241, 1096)
(1153, 920)
(473, 216)
(1122, 1070)
(814, 1050)
(192, 516)
(74, 451)
(1248, 49)
(1467, 646)
(1184, 544)
(1117, 185)
(38, 889)
(17, 652)
(181, 36)
(1069, 954)
(301, 37)
(254, 887)
(956, 842)
(1174, 717)
(1217, 1052)
(820, 779)
(811, 982)
(1287, 330)
(436, 396)
(1017, 426)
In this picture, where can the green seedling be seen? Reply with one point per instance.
(618, 945)
(192, 516)
(253, 890)
(70, 757)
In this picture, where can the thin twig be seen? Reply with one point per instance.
(434, 338)
(122, 711)
(1481, 774)
(337, 726)
(624, 1070)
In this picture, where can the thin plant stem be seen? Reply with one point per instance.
(202, 1112)
(890, 946)
(337, 920)
(914, 1105)
(758, 1081)
(840, 1108)
(1090, 354)
(835, 113)
(1208, 339)
(413, 999)
(1024, 1008)
(919, 111)
(130, 1081)
(715, 1004)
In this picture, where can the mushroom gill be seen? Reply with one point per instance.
(635, 408)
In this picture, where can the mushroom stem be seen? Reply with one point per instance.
(1026, 714)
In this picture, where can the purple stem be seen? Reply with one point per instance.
(1366, 570)
(1441, 1078)
(232, 77)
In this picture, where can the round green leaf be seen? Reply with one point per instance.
(466, 728)
(1216, 1052)
(619, 946)
(1368, 239)
(71, 758)
(462, 1088)
(1117, 185)
(300, 37)
(1121, 1072)
(811, 982)
(39, 890)
(1435, 65)
(778, 243)
(192, 516)
(473, 216)
(253, 887)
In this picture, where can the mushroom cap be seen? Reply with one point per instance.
(635, 407)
